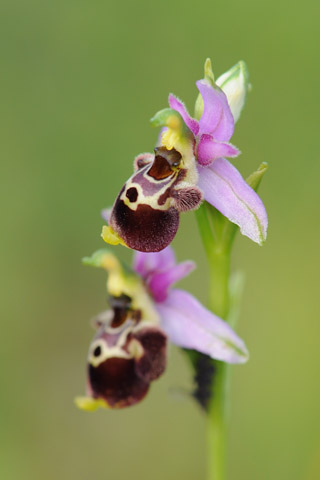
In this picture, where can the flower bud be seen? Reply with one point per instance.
(235, 84)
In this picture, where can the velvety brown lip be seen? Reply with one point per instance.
(116, 381)
(145, 229)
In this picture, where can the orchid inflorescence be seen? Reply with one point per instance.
(188, 168)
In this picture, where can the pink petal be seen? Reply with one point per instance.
(209, 150)
(159, 283)
(146, 263)
(177, 105)
(188, 324)
(226, 190)
(217, 118)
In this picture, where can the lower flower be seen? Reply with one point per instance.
(129, 349)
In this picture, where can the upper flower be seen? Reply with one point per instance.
(188, 166)
(129, 349)
(218, 107)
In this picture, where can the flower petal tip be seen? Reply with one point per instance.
(239, 354)
(263, 237)
(255, 178)
(90, 404)
(256, 228)
(111, 237)
(189, 266)
(208, 73)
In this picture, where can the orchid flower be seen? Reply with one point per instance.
(145, 215)
(187, 167)
(129, 349)
(219, 105)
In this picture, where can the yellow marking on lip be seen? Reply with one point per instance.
(90, 404)
(111, 237)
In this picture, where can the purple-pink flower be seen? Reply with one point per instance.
(221, 183)
(187, 167)
(187, 323)
(129, 350)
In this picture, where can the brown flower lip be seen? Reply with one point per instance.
(146, 212)
(125, 356)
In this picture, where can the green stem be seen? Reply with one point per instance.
(217, 240)
(217, 235)
(217, 425)
(217, 411)
(219, 268)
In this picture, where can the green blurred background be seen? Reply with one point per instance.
(79, 82)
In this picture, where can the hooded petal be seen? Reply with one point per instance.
(177, 105)
(188, 324)
(146, 263)
(159, 283)
(217, 118)
(209, 150)
(228, 192)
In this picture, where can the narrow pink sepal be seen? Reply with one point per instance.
(228, 192)
(190, 325)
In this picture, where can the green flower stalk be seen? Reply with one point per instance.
(217, 234)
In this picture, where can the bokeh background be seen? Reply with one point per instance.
(79, 82)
